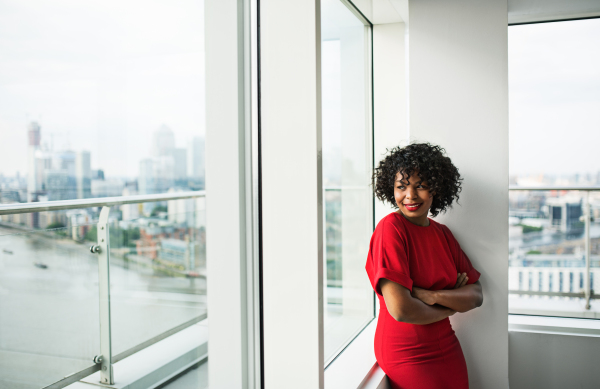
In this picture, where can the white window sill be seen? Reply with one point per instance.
(356, 366)
(554, 325)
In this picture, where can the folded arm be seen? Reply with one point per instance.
(403, 307)
(462, 298)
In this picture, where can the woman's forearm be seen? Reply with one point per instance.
(417, 312)
(408, 309)
(462, 299)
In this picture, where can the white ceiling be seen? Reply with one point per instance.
(528, 11)
(519, 11)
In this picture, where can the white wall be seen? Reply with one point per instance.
(553, 361)
(458, 98)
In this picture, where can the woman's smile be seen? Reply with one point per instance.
(413, 207)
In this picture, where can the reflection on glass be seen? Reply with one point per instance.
(347, 164)
(49, 321)
(98, 99)
(547, 238)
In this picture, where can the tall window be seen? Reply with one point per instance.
(347, 165)
(100, 99)
(554, 97)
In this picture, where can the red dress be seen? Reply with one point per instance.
(417, 356)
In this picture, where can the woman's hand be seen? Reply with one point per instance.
(461, 280)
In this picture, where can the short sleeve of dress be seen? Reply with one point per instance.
(387, 257)
(463, 264)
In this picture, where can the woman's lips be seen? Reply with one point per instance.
(413, 207)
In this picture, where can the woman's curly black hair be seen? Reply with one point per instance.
(431, 165)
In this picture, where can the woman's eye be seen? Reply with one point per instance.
(401, 187)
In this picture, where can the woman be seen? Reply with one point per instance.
(419, 272)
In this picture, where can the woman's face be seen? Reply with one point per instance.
(413, 198)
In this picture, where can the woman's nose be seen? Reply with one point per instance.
(411, 193)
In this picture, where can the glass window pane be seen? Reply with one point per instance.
(101, 99)
(347, 166)
(554, 92)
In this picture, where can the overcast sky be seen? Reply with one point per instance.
(99, 76)
(554, 97)
(103, 75)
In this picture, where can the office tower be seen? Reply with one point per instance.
(60, 179)
(130, 211)
(565, 213)
(34, 173)
(180, 163)
(163, 142)
(83, 174)
(146, 183)
(195, 157)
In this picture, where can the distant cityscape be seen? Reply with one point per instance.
(547, 244)
(67, 174)
(171, 233)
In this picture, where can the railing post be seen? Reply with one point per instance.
(103, 249)
(587, 216)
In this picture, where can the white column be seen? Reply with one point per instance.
(225, 194)
(292, 221)
(458, 93)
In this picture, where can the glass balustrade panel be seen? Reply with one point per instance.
(49, 306)
(158, 280)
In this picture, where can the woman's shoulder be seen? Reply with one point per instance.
(390, 222)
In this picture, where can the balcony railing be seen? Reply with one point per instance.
(104, 360)
(586, 217)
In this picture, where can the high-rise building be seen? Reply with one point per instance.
(60, 180)
(130, 211)
(35, 177)
(195, 157)
(565, 213)
(146, 183)
(83, 174)
(163, 142)
(180, 163)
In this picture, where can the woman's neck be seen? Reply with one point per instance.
(422, 221)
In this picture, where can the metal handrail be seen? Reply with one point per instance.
(553, 294)
(551, 187)
(10, 209)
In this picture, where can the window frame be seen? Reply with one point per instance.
(368, 28)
